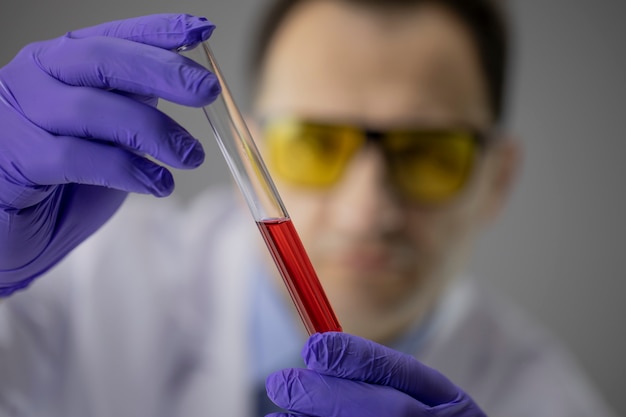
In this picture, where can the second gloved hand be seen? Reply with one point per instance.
(77, 121)
(348, 376)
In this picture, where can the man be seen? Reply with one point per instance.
(378, 122)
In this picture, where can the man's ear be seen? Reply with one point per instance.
(506, 157)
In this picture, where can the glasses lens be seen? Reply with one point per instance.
(310, 154)
(430, 166)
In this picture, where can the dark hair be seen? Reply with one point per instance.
(484, 18)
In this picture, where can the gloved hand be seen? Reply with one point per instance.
(348, 376)
(77, 119)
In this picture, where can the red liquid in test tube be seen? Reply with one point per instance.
(299, 276)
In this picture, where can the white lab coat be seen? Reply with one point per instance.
(149, 318)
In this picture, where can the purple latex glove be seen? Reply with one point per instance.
(348, 376)
(77, 117)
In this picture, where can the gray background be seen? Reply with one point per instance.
(559, 248)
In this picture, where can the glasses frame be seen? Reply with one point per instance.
(482, 138)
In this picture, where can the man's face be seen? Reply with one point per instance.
(382, 258)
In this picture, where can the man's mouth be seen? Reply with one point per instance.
(371, 259)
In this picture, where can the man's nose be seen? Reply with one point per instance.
(364, 201)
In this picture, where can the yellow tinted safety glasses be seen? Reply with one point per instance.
(426, 165)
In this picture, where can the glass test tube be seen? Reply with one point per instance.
(266, 206)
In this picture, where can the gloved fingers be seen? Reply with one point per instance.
(74, 160)
(347, 356)
(118, 64)
(167, 31)
(94, 113)
(312, 394)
